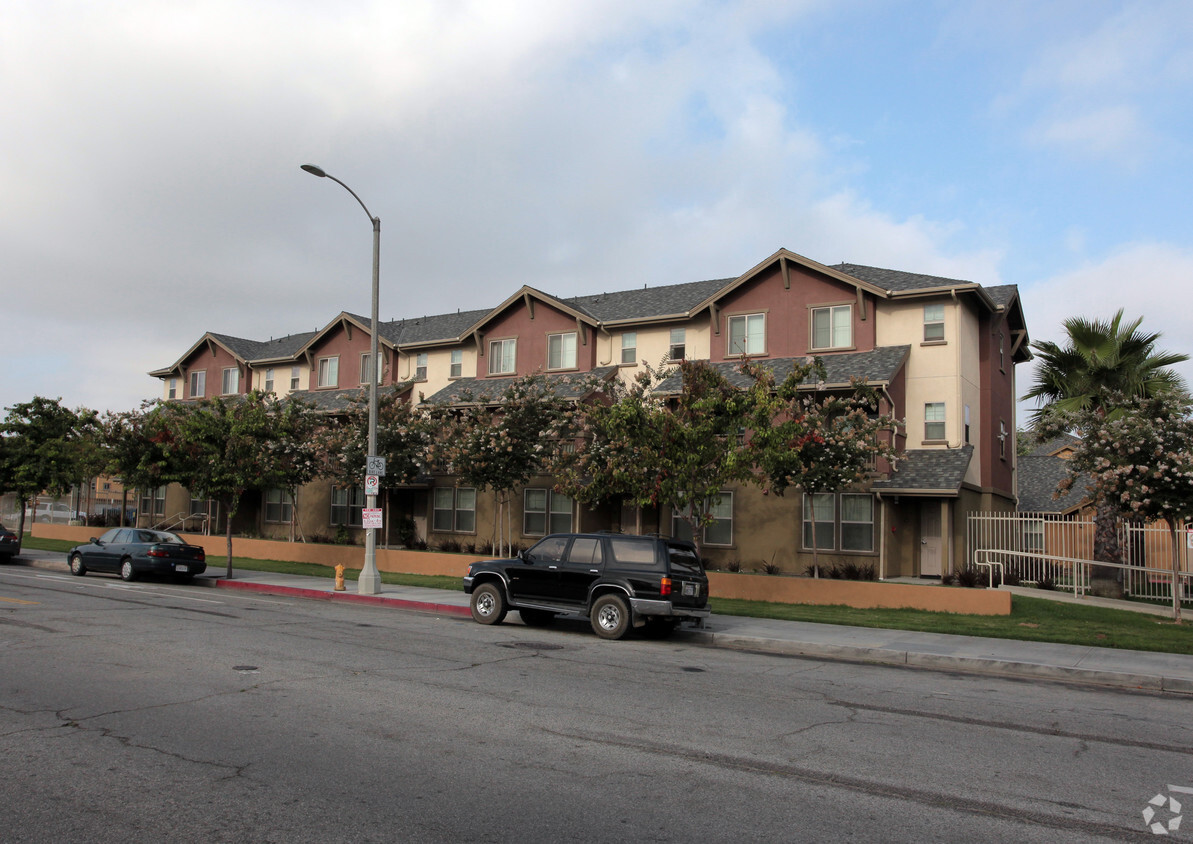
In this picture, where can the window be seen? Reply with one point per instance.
(717, 532)
(420, 367)
(1002, 439)
(561, 351)
(502, 355)
(629, 347)
(678, 344)
(269, 380)
(364, 368)
(454, 510)
(849, 515)
(173, 391)
(1033, 535)
(832, 328)
(329, 372)
(457, 363)
(545, 511)
(747, 334)
(153, 501)
(967, 424)
(231, 381)
(933, 323)
(278, 505)
(294, 375)
(198, 505)
(818, 521)
(198, 384)
(1002, 354)
(934, 421)
(857, 522)
(347, 506)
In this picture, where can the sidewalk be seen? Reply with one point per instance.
(1123, 669)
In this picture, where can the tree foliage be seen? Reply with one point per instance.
(403, 436)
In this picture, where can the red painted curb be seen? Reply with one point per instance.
(372, 600)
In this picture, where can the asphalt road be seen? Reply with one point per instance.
(149, 712)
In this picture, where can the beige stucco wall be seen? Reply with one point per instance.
(281, 377)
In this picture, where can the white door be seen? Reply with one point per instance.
(930, 544)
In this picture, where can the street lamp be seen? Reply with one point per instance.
(369, 582)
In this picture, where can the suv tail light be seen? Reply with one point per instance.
(665, 586)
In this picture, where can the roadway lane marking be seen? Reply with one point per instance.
(19, 601)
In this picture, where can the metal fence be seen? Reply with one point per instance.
(1052, 549)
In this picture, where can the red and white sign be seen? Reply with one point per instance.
(371, 517)
(372, 484)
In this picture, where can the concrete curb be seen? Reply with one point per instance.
(939, 662)
(346, 597)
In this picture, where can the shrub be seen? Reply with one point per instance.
(450, 546)
(970, 578)
(948, 579)
(733, 565)
(342, 536)
(770, 568)
(1047, 584)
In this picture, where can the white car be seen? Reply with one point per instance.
(53, 512)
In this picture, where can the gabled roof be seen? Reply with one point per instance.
(527, 294)
(235, 346)
(928, 471)
(672, 300)
(568, 385)
(784, 257)
(1039, 476)
(1054, 446)
(877, 366)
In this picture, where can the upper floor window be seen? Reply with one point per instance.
(629, 347)
(172, 393)
(747, 334)
(934, 420)
(198, 384)
(420, 367)
(502, 356)
(364, 368)
(329, 372)
(678, 350)
(933, 323)
(231, 382)
(269, 380)
(457, 363)
(561, 351)
(832, 327)
(294, 378)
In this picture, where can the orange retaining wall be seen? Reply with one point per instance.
(749, 587)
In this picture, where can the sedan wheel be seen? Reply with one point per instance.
(610, 617)
(127, 573)
(76, 565)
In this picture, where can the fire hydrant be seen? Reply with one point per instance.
(340, 577)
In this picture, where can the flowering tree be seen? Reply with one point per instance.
(803, 436)
(646, 448)
(1139, 459)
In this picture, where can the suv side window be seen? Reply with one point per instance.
(633, 553)
(586, 549)
(550, 549)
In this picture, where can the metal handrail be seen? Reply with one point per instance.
(181, 518)
(989, 564)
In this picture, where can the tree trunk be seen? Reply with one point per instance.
(231, 511)
(1106, 581)
(21, 524)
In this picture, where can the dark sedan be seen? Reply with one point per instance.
(8, 545)
(135, 551)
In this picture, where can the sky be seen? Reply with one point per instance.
(150, 152)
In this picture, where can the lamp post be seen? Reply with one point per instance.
(369, 582)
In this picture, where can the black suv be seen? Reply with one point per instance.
(619, 581)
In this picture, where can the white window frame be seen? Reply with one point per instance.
(678, 347)
(420, 366)
(279, 508)
(545, 511)
(364, 366)
(746, 334)
(329, 371)
(834, 327)
(629, 348)
(811, 518)
(295, 377)
(1033, 535)
(230, 381)
(460, 505)
(722, 513)
(347, 506)
(198, 381)
(935, 415)
(934, 324)
(268, 381)
(503, 356)
(842, 521)
(561, 350)
(153, 501)
(829, 525)
(456, 364)
(172, 389)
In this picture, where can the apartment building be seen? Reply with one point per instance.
(942, 352)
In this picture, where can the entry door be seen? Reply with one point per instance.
(930, 544)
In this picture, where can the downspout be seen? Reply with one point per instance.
(882, 535)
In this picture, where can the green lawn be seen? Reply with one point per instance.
(1031, 619)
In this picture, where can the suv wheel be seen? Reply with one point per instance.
(610, 617)
(488, 604)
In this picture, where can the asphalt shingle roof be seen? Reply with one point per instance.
(649, 302)
(929, 470)
(876, 365)
(335, 401)
(568, 385)
(1039, 476)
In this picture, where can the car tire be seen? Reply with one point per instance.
(659, 628)
(76, 565)
(537, 618)
(127, 573)
(488, 604)
(610, 617)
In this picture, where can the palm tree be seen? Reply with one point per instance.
(1102, 362)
